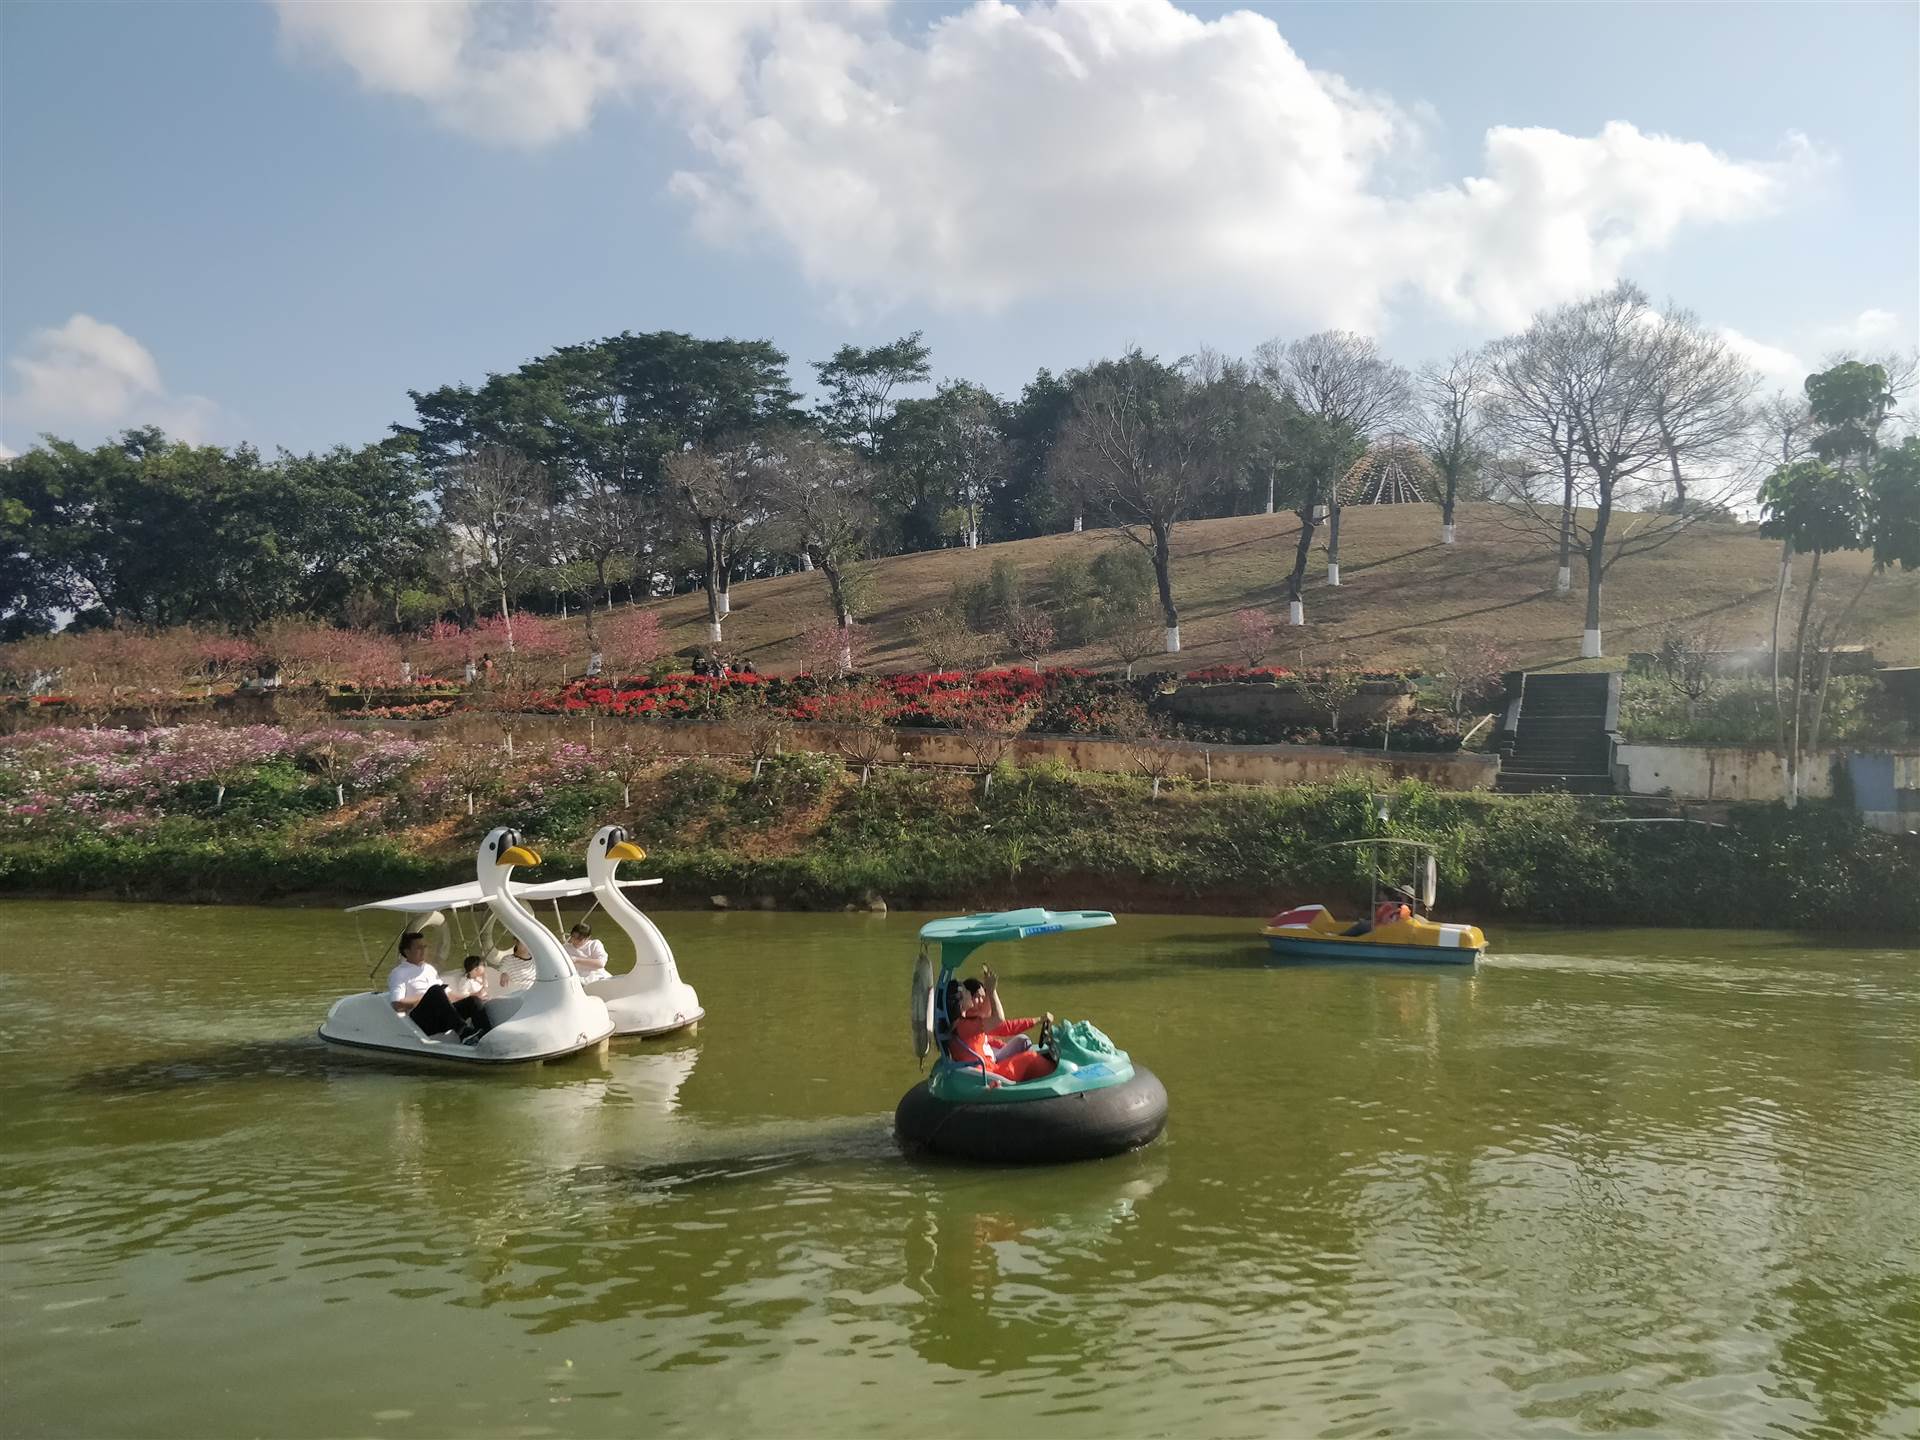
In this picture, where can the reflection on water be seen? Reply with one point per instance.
(1639, 1181)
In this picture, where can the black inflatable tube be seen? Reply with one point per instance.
(1086, 1126)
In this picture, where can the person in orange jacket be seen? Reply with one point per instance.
(977, 1020)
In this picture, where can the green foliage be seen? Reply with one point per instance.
(788, 783)
(697, 790)
(1742, 713)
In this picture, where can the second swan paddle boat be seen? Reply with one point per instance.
(1096, 1101)
(550, 1018)
(1397, 931)
(651, 998)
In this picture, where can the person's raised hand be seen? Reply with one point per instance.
(989, 979)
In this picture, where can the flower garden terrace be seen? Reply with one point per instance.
(1061, 701)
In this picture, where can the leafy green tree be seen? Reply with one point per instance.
(942, 461)
(860, 387)
(1025, 503)
(1147, 448)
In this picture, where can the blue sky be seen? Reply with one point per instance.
(267, 223)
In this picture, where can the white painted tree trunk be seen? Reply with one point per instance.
(1079, 523)
(723, 602)
(1589, 644)
(1333, 574)
(846, 657)
(806, 561)
(1270, 495)
(1296, 613)
(1446, 534)
(1563, 580)
(1173, 639)
(713, 632)
(339, 797)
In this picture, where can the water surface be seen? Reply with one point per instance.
(1637, 1181)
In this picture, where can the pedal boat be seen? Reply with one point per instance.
(651, 998)
(551, 1018)
(1313, 932)
(1096, 1102)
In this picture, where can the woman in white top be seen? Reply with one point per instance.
(589, 956)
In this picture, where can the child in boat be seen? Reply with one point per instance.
(974, 1030)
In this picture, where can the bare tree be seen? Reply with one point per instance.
(1345, 379)
(1129, 633)
(714, 489)
(1688, 662)
(1144, 447)
(496, 507)
(1609, 367)
(822, 494)
(1445, 422)
(1703, 402)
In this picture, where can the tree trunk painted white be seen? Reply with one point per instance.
(1446, 534)
(723, 602)
(1296, 613)
(339, 797)
(1333, 573)
(806, 561)
(1173, 639)
(1589, 644)
(626, 793)
(713, 632)
(1079, 523)
(470, 802)
(1156, 787)
(1563, 580)
(846, 655)
(1270, 495)
(973, 538)
(220, 797)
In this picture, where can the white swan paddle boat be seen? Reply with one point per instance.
(651, 998)
(554, 1016)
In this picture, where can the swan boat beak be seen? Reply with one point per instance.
(519, 855)
(625, 850)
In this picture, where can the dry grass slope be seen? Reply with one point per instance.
(1404, 595)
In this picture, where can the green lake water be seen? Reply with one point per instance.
(1628, 1181)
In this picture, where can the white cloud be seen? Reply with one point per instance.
(1002, 153)
(89, 376)
(1779, 369)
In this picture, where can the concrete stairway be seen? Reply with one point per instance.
(1561, 741)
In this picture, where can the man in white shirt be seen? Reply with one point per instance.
(414, 990)
(589, 956)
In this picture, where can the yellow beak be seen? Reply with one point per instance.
(519, 855)
(626, 850)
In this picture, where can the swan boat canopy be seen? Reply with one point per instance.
(1313, 932)
(552, 1017)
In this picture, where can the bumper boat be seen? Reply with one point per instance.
(651, 998)
(1398, 933)
(1096, 1102)
(551, 1018)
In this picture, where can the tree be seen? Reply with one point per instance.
(1028, 632)
(1330, 689)
(1344, 380)
(1142, 734)
(946, 642)
(1445, 421)
(1314, 453)
(944, 458)
(1703, 394)
(495, 507)
(1144, 447)
(1853, 497)
(1472, 673)
(715, 488)
(1130, 632)
(1255, 631)
(823, 496)
(989, 731)
(1687, 662)
(633, 640)
(860, 385)
(1595, 389)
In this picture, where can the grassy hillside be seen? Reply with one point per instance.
(1404, 596)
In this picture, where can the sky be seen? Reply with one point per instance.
(268, 222)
